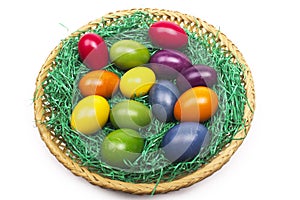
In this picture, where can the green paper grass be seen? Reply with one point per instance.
(61, 93)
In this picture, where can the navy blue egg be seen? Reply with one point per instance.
(162, 98)
(183, 142)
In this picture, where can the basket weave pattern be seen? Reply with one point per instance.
(58, 148)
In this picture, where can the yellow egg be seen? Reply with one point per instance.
(137, 82)
(90, 114)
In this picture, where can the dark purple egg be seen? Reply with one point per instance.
(197, 75)
(167, 63)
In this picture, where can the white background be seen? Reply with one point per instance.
(266, 166)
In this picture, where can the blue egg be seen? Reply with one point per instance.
(162, 98)
(183, 142)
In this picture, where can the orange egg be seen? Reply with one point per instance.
(197, 104)
(99, 82)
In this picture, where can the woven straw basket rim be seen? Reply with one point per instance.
(58, 148)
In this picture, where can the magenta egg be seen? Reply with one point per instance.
(167, 34)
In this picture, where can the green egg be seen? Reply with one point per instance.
(121, 145)
(127, 54)
(130, 114)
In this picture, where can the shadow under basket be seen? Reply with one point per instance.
(196, 27)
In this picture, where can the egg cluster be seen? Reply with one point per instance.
(177, 91)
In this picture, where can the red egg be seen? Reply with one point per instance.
(93, 51)
(167, 34)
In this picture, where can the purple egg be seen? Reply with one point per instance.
(197, 75)
(167, 63)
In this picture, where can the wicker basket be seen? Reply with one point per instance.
(58, 147)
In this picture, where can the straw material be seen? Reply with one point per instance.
(58, 148)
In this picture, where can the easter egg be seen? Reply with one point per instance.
(137, 82)
(162, 98)
(168, 63)
(90, 114)
(184, 141)
(130, 114)
(99, 82)
(127, 54)
(167, 34)
(197, 104)
(121, 145)
(93, 51)
(197, 75)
